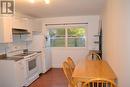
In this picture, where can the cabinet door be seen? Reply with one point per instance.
(20, 73)
(16, 23)
(24, 23)
(21, 23)
(37, 25)
(6, 30)
(40, 68)
(30, 25)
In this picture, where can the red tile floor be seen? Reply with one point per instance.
(53, 78)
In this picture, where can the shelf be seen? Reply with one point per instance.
(96, 35)
(96, 42)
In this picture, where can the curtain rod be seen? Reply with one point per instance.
(65, 24)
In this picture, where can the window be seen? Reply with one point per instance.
(57, 37)
(67, 37)
(76, 37)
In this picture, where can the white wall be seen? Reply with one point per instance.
(116, 39)
(59, 55)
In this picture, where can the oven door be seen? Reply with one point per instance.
(32, 66)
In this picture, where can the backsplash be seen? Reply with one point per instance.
(18, 44)
(6, 48)
(3, 48)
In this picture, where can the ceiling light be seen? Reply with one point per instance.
(32, 1)
(47, 1)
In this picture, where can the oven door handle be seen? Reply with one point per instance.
(34, 55)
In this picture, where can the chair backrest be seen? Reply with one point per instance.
(99, 83)
(68, 73)
(71, 63)
(93, 56)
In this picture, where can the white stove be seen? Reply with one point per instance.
(31, 64)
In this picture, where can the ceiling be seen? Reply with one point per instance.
(59, 8)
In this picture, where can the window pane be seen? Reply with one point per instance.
(75, 36)
(76, 32)
(58, 42)
(60, 32)
(76, 42)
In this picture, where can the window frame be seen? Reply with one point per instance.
(66, 35)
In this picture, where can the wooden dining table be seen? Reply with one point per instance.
(88, 69)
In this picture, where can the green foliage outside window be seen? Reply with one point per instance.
(57, 32)
(75, 37)
(76, 32)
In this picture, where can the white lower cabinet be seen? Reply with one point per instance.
(40, 68)
(20, 73)
(12, 74)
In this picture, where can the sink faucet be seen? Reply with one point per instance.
(25, 51)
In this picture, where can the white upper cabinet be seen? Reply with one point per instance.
(6, 30)
(27, 24)
(16, 23)
(36, 25)
(21, 23)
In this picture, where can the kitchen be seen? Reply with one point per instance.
(39, 38)
(21, 60)
(25, 32)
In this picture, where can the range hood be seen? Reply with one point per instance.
(17, 31)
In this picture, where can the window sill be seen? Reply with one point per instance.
(69, 48)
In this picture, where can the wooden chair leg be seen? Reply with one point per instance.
(69, 85)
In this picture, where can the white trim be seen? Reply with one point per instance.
(66, 27)
(66, 37)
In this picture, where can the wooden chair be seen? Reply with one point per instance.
(68, 74)
(71, 63)
(93, 56)
(99, 83)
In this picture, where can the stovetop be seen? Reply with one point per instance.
(25, 54)
(16, 57)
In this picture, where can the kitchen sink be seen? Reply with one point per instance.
(25, 54)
